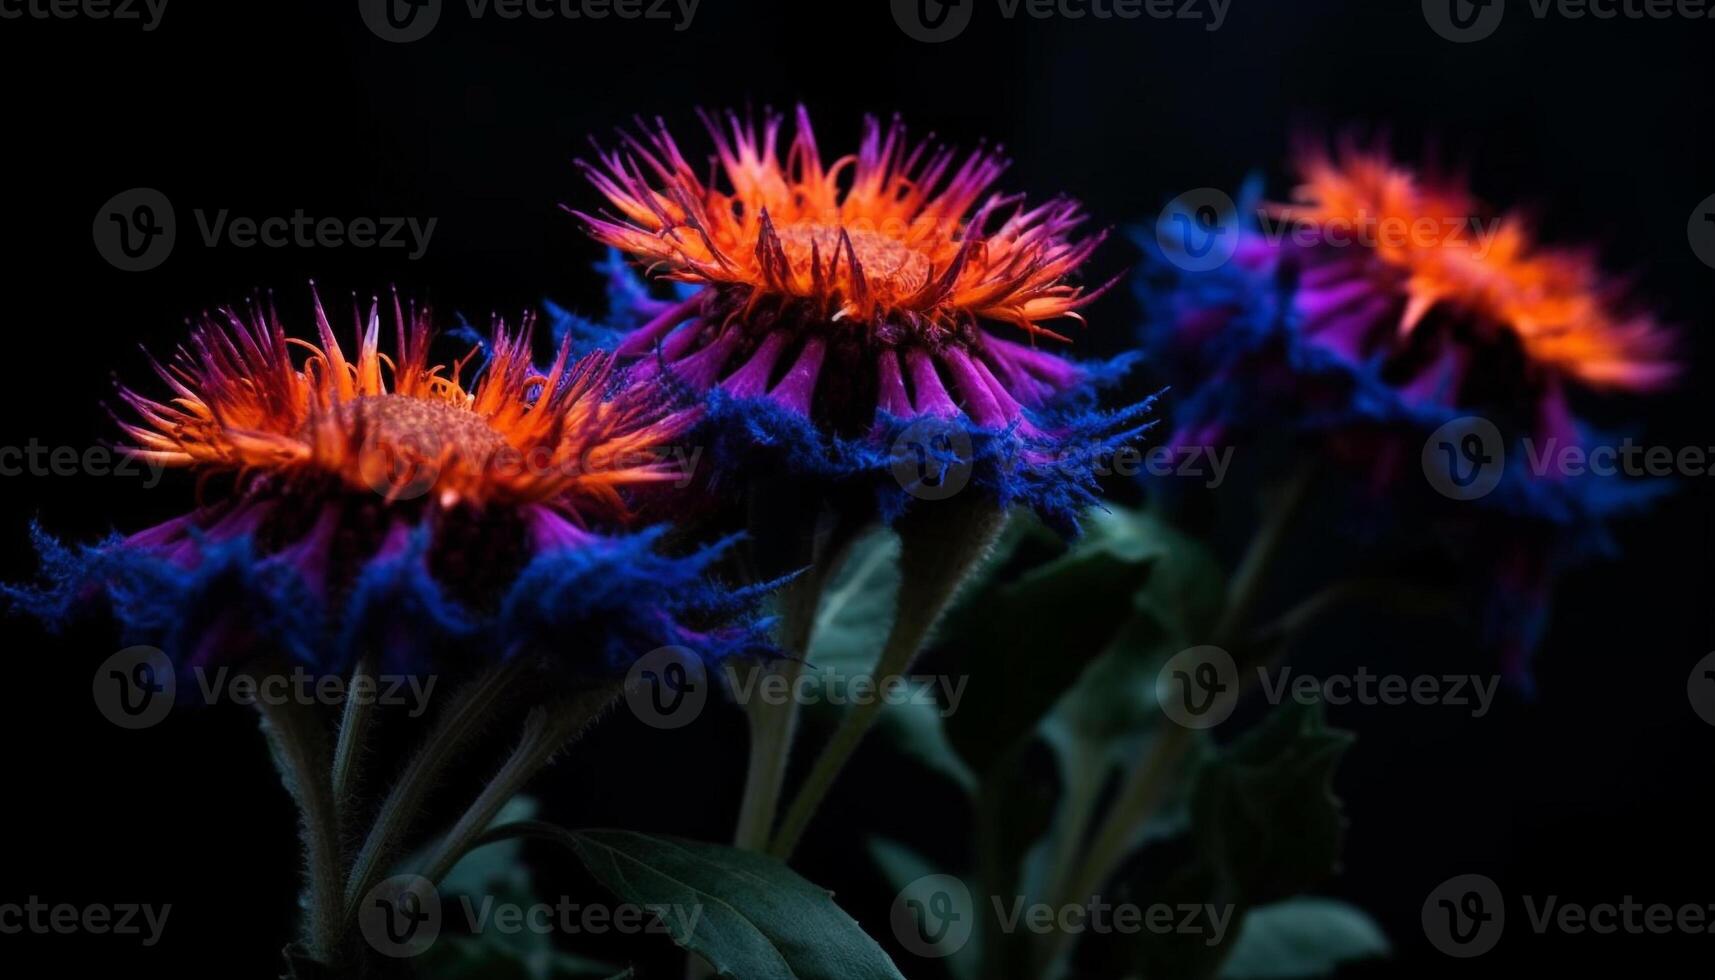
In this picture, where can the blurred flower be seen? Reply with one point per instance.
(381, 505)
(1379, 307)
(827, 307)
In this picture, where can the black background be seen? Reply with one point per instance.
(1594, 791)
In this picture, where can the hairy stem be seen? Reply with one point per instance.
(298, 742)
(454, 729)
(547, 731)
(353, 725)
(1147, 784)
(940, 547)
(773, 726)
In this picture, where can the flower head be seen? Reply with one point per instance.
(882, 287)
(383, 503)
(1434, 254)
(1380, 307)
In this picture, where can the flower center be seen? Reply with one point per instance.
(882, 257)
(422, 427)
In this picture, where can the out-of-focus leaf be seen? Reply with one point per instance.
(1023, 642)
(497, 873)
(1263, 810)
(1303, 937)
(747, 914)
(909, 872)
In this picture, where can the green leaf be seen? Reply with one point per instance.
(857, 606)
(1303, 937)
(1263, 810)
(747, 914)
(1025, 641)
(498, 872)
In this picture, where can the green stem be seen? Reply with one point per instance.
(1245, 589)
(546, 732)
(455, 728)
(353, 724)
(939, 548)
(1147, 785)
(299, 745)
(773, 725)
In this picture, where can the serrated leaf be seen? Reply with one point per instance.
(1264, 811)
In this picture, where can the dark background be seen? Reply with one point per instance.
(1594, 791)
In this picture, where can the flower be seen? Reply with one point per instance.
(1382, 301)
(1381, 306)
(829, 305)
(1566, 318)
(383, 504)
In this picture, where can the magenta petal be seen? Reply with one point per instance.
(796, 390)
(892, 398)
(700, 370)
(551, 532)
(751, 381)
(1059, 373)
(979, 401)
(644, 338)
(932, 397)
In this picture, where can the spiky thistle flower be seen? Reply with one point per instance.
(845, 298)
(383, 503)
(1382, 305)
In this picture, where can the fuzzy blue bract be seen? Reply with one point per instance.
(586, 610)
